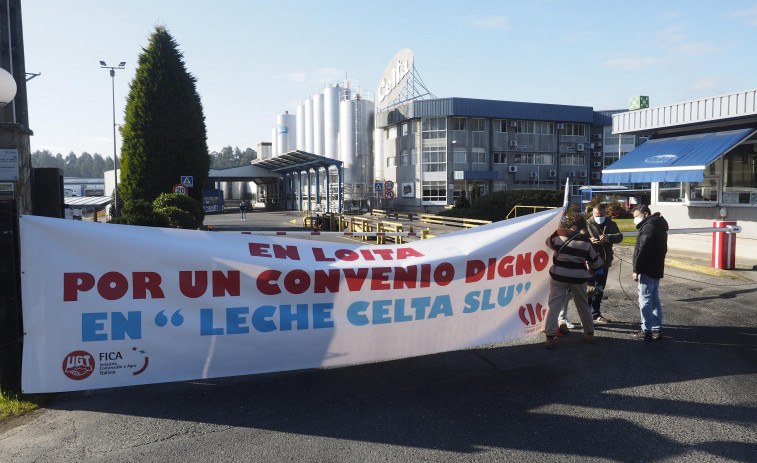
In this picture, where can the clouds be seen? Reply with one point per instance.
(318, 76)
(749, 16)
(490, 22)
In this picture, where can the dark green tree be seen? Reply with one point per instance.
(164, 131)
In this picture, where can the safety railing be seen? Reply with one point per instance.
(453, 221)
(533, 209)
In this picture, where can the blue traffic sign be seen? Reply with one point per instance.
(378, 186)
(187, 180)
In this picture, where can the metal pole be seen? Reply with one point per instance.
(115, 158)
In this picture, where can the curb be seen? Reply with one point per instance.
(706, 270)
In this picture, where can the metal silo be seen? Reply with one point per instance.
(356, 145)
(300, 127)
(286, 132)
(318, 124)
(347, 135)
(274, 144)
(378, 154)
(331, 121)
(309, 125)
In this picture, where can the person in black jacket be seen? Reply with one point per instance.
(603, 233)
(648, 268)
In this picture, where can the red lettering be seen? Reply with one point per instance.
(367, 254)
(505, 268)
(266, 282)
(147, 281)
(406, 277)
(346, 254)
(259, 250)
(327, 281)
(320, 257)
(491, 268)
(355, 278)
(226, 284)
(297, 281)
(541, 260)
(385, 254)
(404, 253)
(112, 286)
(75, 282)
(379, 278)
(444, 273)
(474, 271)
(190, 288)
(523, 263)
(425, 275)
(286, 252)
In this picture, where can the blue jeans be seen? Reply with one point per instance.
(649, 304)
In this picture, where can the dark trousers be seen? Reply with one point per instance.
(598, 281)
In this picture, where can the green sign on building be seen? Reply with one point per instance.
(638, 102)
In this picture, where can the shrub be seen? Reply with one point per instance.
(178, 218)
(462, 202)
(184, 203)
(495, 206)
(141, 212)
(615, 210)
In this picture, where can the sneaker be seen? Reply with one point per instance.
(569, 324)
(657, 335)
(564, 328)
(549, 343)
(643, 336)
(601, 320)
(589, 337)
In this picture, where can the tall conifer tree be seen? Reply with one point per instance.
(164, 132)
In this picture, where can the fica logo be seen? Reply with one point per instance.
(78, 365)
(531, 315)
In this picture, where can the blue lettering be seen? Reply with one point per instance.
(322, 316)
(485, 300)
(399, 311)
(131, 325)
(235, 320)
(420, 304)
(206, 323)
(356, 313)
(287, 317)
(504, 299)
(90, 325)
(381, 312)
(471, 302)
(261, 319)
(442, 305)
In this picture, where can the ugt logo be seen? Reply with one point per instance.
(78, 365)
(531, 315)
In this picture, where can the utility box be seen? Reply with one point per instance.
(638, 102)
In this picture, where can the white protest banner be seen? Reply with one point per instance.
(113, 305)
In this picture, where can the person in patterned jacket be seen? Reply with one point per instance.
(573, 262)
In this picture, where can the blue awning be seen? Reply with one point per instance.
(673, 159)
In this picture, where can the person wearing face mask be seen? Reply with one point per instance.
(648, 266)
(603, 233)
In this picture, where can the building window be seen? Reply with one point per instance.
(500, 125)
(405, 129)
(391, 161)
(434, 159)
(405, 158)
(525, 127)
(573, 159)
(434, 147)
(459, 155)
(435, 191)
(413, 157)
(478, 156)
(538, 158)
(478, 125)
(670, 192)
(434, 127)
(459, 123)
(500, 157)
(740, 176)
(578, 130)
(537, 128)
(391, 133)
(499, 185)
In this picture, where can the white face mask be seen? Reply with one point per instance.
(600, 220)
(637, 220)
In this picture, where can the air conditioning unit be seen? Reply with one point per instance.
(512, 169)
(580, 147)
(596, 175)
(513, 123)
(553, 173)
(534, 174)
(597, 154)
(598, 144)
(597, 136)
(571, 174)
(582, 173)
(597, 164)
(513, 143)
(560, 126)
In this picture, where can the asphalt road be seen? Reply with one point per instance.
(689, 397)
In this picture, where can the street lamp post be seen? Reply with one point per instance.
(115, 157)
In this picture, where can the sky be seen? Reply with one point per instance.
(253, 60)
